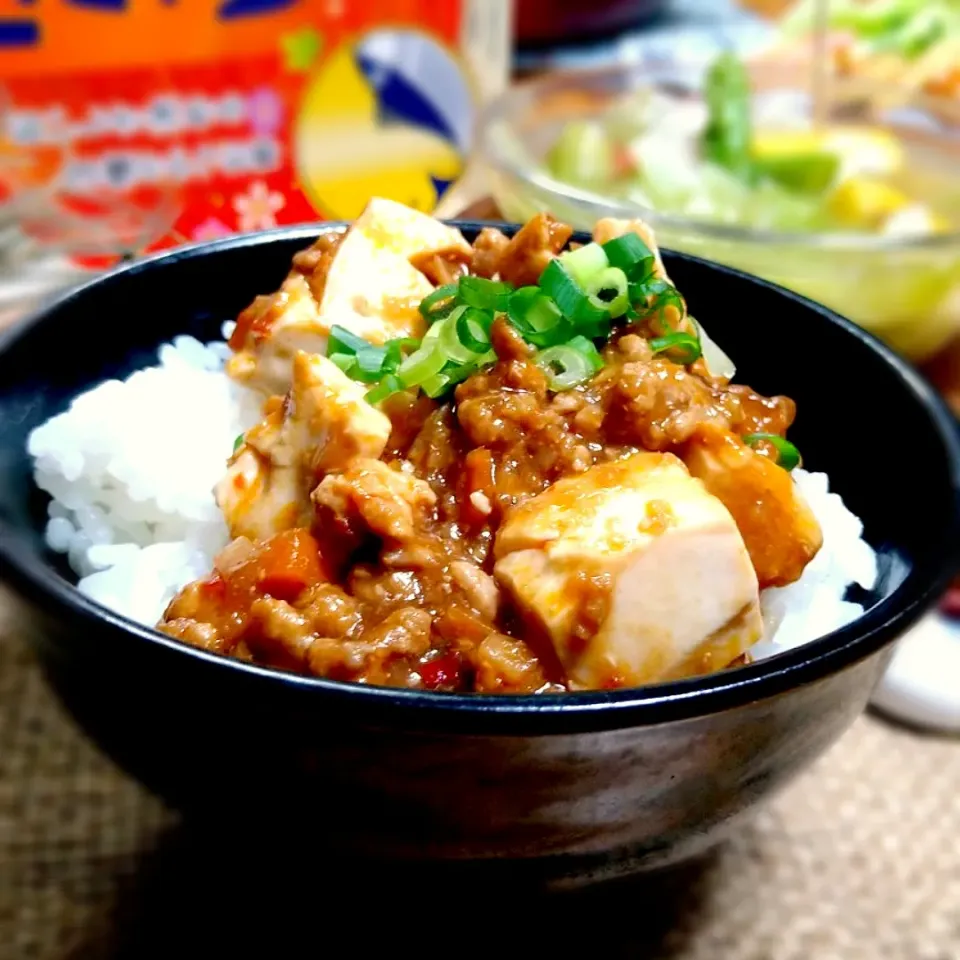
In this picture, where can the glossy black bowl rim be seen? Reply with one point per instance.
(531, 714)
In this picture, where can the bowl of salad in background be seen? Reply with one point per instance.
(861, 213)
(912, 45)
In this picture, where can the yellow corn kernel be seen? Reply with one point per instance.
(864, 202)
(785, 143)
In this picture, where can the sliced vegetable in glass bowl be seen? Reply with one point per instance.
(864, 216)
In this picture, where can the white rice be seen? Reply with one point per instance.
(815, 604)
(131, 468)
(136, 525)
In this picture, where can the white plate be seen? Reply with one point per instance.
(922, 684)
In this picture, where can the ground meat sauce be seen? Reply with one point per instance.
(384, 592)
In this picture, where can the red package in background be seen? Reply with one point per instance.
(129, 124)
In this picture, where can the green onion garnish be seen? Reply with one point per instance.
(652, 298)
(347, 362)
(569, 364)
(449, 339)
(435, 385)
(537, 318)
(599, 328)
(368, 362)
(238, 443)
(473, 330)
(607, 290)
(469, 369)
(422, 364)
(788, 456)
(389, 385)
(484, 294)
(584, 263)
(557, 284)
(570, 299)
(371, 362)
(454, 373)
(682, 348)
(401, 345)
(578, 297)
(631, 255)
(343, 341)
(439, 303)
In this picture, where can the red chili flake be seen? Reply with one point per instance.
(441, 671)
(215, 587)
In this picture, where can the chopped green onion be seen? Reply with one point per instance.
(453, 374)
(465, 370)
(370, 363)
(403, 344)
(473, 330)
(392, 356)
(631, 255)
(435, 385)
(584, 263)
(586, 347)
(654, 297)
(438, 304)
(485, 294)
(682, 348)
(347, 362)
(647, 292)
(422, 364)
(343, 341)
(447, 338)
(432, 334)
(238, 443)
(788, 456)
(597, 329)
(389, 385)
(607, 290)
(557, 284)
(537, 318)
(395, 350)
(569, 364)
(572, 302)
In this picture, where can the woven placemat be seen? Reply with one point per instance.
(858, 859)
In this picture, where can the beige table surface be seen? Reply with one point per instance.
(857, 860)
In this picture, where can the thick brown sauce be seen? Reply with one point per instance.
(423, 610)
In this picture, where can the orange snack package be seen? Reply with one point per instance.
(160, 121)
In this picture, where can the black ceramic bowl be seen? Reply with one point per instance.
(578, 785)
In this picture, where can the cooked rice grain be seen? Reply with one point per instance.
(133, 520)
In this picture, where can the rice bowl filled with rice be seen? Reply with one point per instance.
(479, 468)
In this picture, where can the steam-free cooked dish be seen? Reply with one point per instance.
(508, 466)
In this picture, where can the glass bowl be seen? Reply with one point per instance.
(906, 290)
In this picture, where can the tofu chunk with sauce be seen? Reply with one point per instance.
(319, 427)
(778, 526)
(633, 572)
(271, 330)
(370, 287)
(610, 228)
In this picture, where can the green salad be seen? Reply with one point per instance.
(730, 157)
